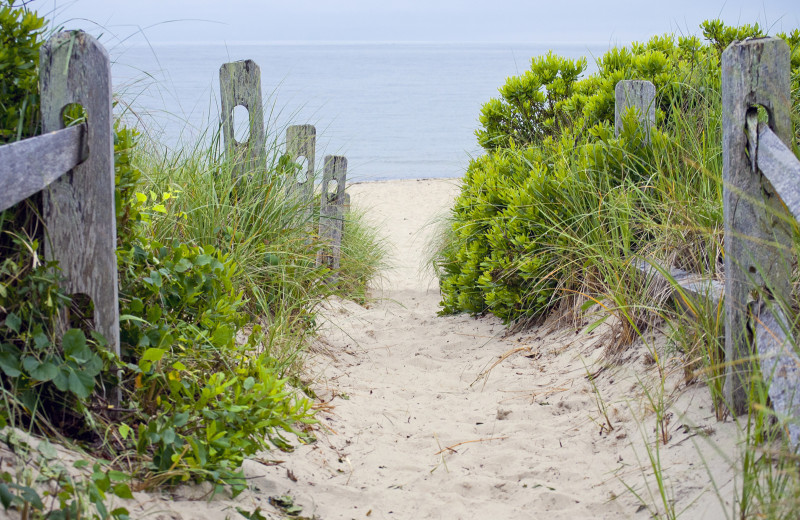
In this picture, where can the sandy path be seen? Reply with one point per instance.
(404, 386)
(403, 383)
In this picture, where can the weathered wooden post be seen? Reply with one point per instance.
(757, 241)
(240, 84)
(639, 95)
(301, 142)
(332, 212)
(78, 208)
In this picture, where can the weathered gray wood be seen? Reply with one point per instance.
(639, 95)
(780, 166)
(780, 366)
(301, 141)
(331, 215)
(240, 84)
(28, 166)
(78, 208)
(689, 290)
(757, 241)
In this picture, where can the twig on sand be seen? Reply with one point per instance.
(451, 447)
(485, 373)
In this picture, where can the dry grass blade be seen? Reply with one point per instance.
(485, 374)
(453, 446)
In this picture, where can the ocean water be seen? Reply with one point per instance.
(395, 110)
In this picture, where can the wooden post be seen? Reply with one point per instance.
(301, 141)
(331, 215)
(240, 84)
(78, 208)
(757, 240)
(637, 94)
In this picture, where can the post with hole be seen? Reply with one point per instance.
(332, 213)
(301, 142)
(639, 95)
(758, 263)
(240, 85)
(78, 208)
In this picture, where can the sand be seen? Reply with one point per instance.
(419, 429)
(429, 417)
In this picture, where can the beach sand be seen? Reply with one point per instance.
(429, 417)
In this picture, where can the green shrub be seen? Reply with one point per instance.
(21, 34)
(196, 401)
(553, 167)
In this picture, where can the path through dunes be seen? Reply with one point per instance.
(415, 432)
(411, 429)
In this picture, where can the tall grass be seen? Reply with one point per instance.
(270, 234)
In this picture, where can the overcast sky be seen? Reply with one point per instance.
(551, 21)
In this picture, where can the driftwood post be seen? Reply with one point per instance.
(639, 95)
(757, 240)
(240, 85)
(78, 208)
(301, 142)
(332, 210)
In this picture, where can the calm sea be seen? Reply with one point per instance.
(397, 111)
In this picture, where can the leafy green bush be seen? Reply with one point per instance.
(532, 209)
(21, 34)
(197, 401)
(204, 401)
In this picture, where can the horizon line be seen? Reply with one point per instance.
(188, 43)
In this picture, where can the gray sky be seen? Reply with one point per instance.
(552, 21)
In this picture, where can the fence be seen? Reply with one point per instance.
(761, 202)
(240, 85)
(74, 169)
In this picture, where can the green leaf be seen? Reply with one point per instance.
(44, 372)
(30, 363)
(221, 336)
(123, 491)
(168, 436)
(153, 354)
(40, 339)
(13, 322)
(74, 343)
(203, 260)
(9, 363)
(124, 430)
(29, 495)
(80, 384)
(183, 265)
(6, 496)
(136, 306)
(154, 313)
(118, 476)
(62, 380)
(180, 419)
(120, 513)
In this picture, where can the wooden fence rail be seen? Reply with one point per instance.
(761, 194)
(74, 169)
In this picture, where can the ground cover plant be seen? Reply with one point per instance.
(218, 294)
(552, 219)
